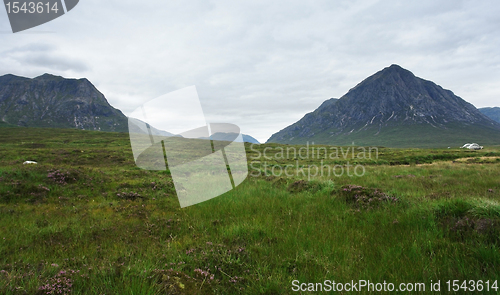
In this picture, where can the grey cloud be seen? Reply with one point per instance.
(30, 48)
(53, 62)
(43, 57)
(264, 64)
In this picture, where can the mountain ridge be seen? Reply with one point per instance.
(491, 112)
(76, 102)
(389, 104)
(53, 101)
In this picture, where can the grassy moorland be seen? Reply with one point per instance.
(86, 220)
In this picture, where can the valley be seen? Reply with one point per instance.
(86, 218)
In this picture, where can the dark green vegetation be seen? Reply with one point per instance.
(86, 219)
(53, 101)
(492, 113)
(3, 124)
(394, 108)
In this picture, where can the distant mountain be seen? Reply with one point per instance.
(393, 108)
(249, 139)
(223, 136)
(229, 137)
(53, 101)
(492, 113)
(138, 126)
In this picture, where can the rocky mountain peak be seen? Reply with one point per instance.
(391, 98)
(53, 101)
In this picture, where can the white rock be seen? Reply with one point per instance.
(29, 162)
(472, 146)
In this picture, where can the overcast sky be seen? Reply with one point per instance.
(260, 64)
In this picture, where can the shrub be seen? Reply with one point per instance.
(365, 198)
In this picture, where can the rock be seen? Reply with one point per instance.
(56, 102)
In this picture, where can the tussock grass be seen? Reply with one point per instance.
(86, 219)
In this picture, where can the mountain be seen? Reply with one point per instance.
(249, 139)
(230, 137)
(53, 101)
(396, 109)
(139, 126)
(492, 113)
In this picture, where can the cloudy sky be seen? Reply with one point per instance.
(260, 64)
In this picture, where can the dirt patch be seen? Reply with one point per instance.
(404, 176)
(468, 227)
(478, 160)
(176, 282)
(33, 145)
(24, 190)
(437, 196)
(298, 186)
(365, 198)
(278, 181)
(303, 185)
(129, 196)
(463, 221)
(63, 177)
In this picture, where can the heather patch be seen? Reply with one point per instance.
(361, 197)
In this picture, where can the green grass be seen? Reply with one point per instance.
(86, 216)
(405, 136)
(3, 125)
